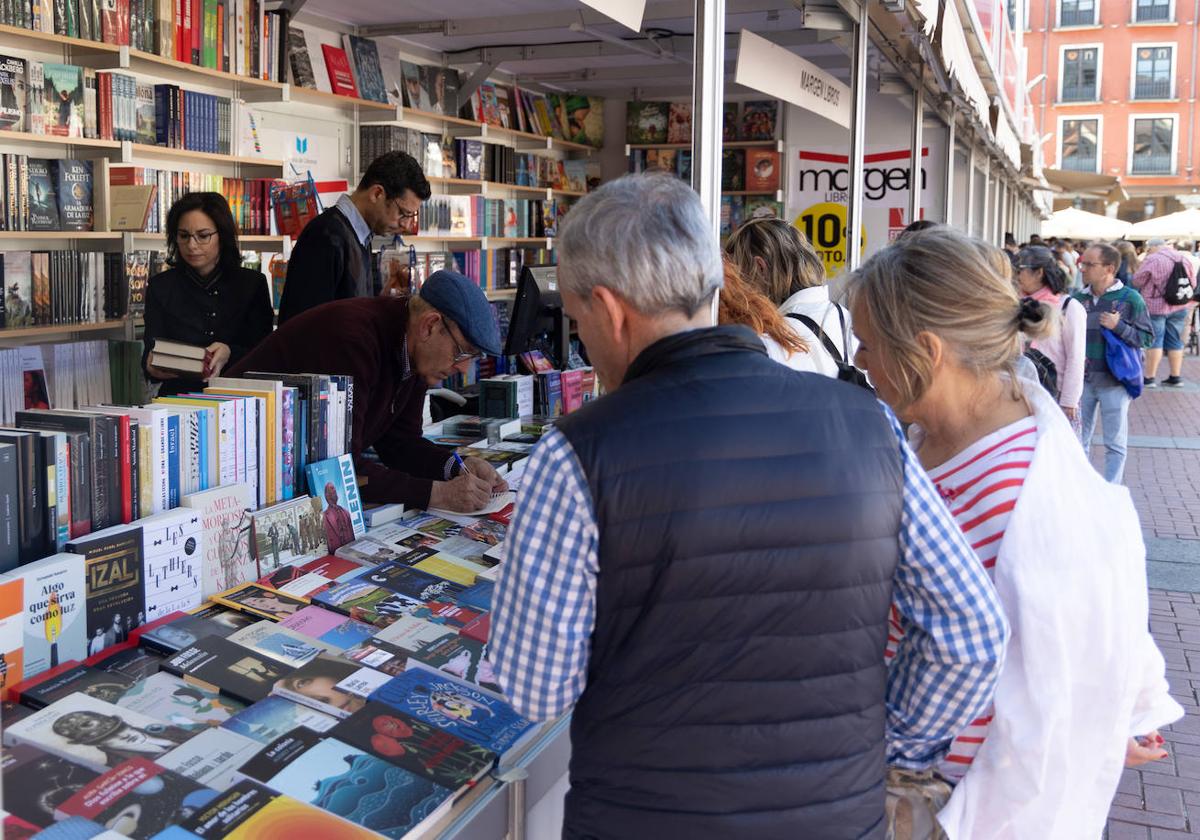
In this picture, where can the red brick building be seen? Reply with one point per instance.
(1118, 97)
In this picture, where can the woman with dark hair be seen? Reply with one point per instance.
(206, 298)
(1040, 276)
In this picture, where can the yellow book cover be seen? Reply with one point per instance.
(145, 473)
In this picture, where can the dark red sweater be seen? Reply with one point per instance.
(364, 337)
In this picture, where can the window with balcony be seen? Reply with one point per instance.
(1077, 13)
(1152, 142)
(1079, 145)
(1148, 11)
(1152, 73)
(1079, 78)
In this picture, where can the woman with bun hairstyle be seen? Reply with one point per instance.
(1041, 278)
(1083, 687)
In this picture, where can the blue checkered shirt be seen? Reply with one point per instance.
(941, 678)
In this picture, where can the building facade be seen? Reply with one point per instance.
(1114, 93)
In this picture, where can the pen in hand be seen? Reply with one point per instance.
(461, 465)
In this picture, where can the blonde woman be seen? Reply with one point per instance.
(1083, 690)
(779, 261)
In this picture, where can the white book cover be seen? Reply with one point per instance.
(225, 521)
(212, 757)
(272, 425)
(173, 553)
(280, 643)
(55, 625)
(155, 419)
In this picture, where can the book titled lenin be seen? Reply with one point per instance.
(341, 77)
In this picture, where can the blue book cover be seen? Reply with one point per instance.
(272, 717)
(173, 460)
(346, 781)
(74, 193)
(369, 74)
(333, 482)
(205, 431)
(478, 596)
(455, 707)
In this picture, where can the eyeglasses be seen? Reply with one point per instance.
(405, 215)
(1085, 264)
(460, 355)
(202, 237)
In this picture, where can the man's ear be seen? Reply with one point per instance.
(612, 309)
(428, 323)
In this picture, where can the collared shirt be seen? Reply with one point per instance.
(943, 674)
(1116, 286)
(361, 229)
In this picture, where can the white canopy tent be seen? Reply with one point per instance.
(1182, 225)
(1079, 224)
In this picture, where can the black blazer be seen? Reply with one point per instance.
(235, 310)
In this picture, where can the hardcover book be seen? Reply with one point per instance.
(341, 78)
(13, 95)
(298, 58)
(758, 120)
(274, 716)
(281, 644)
(333, 482)
(333, 686)
(288, 533)
(95, 733)
(258, 600)
(456, 707)
(347, 782)
(369, 75)
(39, 692)
(114, 585)
(36, 781)
(170, 699)
(762, 170)
(137, 798)
(225, 522)
(733, 170)
(646, 122)
(43, 199)
(55, 624)
(220, 665)
(63, 99)
(173, 548)
(679, 123)
(729, 121)
(427, 751)
(74, 187)
(250, 811)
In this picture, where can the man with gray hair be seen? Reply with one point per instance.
(702, 563)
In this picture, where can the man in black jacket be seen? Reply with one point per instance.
(332, 257)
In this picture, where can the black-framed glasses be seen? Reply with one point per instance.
(460, 355)
(202, 237)
(405, 215)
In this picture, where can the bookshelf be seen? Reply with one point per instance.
(61, 329)
(132, 152)
(777, 145)
(486, 186)
(60, 235)
(55, 140)
(308, 96)
(149, 63)
(29, 39)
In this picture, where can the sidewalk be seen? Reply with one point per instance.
(1161, 801)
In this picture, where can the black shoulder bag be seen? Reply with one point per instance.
(847, 372)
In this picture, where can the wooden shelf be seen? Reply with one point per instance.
(487, 241)
(728, 144)
(444, 118)
(320, 97)
(500, 185)
(248, 242)
(58, 40)
(54, 139)
(489, 128)
(60, 329)
(61, 235)
(569, 193)
(500, 294)
(262, 239)
(749, 192)
(137, 57)
(145, 150)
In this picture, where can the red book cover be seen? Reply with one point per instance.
(197, 31)
(17, 690)
(181, 34)
(341, 79)
(110, 26)
(762, 170)
(123, 22)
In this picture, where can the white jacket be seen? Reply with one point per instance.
(814, 302)
(1082, 673)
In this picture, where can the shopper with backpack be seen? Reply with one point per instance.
(1040, 277)
(1167, 282)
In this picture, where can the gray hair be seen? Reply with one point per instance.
(645, 237)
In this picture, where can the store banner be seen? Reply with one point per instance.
(818, 176)
(769, 68)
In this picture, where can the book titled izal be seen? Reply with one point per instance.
(113, 571)
(334, 483)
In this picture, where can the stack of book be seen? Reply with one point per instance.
(177, 356)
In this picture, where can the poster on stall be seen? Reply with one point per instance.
(818, 178)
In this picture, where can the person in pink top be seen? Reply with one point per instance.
(1169, 321)
(1040, 277)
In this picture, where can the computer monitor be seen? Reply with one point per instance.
(537, 321)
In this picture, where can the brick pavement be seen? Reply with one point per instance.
(1161, 801)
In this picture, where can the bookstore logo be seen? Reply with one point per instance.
(301, 145)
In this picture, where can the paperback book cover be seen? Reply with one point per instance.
(173, 550)
(298, 58)
(331, 629)
(281, 644)
(456, 707)
(460, 657)
(333, 686)
(36, 782)
(250, 811)
(97, 734)
(341, 78)
(415, 96)
(173, 700)
(334, 483)
(347, 782)
(274, 716)
(440, 86)
(427, 751)
(12, 622)
(55, 623)
(63, 99)
(367, 602)
(13, 95)
(264, 602)
(679, 125)
(211, 757)
(762, 170)
(226, 556)
(412, 634)
(758, 120)
(733, 170)
(74, 187)
(137, 799)
(18, 288)
(366, 63)
(288, 533)
(43, 200)
(762, 208)
(115, 597)
(646, 122)
(186, 630)
(39, 692)
(223, 666)
(228, 618)
(379, 656)
(128, 659)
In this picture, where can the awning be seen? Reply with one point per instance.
(1182, 225)
(1087, 184)
(1079, 224)
(956, 55)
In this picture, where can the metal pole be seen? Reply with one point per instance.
(858, 139)
(708, 93)
(951, 160)
(916, 180)
(971, 188)
(985, 227)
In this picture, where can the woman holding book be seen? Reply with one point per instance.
(1083, 690)
(206, 311)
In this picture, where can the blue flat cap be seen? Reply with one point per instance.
(462, 301)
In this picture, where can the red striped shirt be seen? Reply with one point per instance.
(981, 486)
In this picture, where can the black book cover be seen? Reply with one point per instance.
(279, 754)
(37, 782)
(429, 752)
(50, 462)
(10, 540)
(31, 499)
(84, 481)
(114, 590)
(186, 630)
(43, 205)
(232, 807)
(226, 667)
(74, 185)
(134, 466)
(83, 679)
(139, 798)
(132, 662)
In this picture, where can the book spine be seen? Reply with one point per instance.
(135, 470)
(173, 461)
